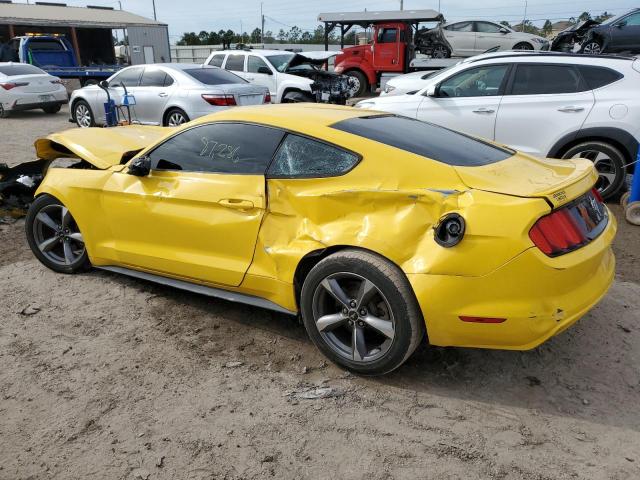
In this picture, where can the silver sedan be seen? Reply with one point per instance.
(165, 94)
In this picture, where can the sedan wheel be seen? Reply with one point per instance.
(83, 115)
(54, 236)
(440, 51)
(592, 48)
(523, 46)
(360, 311)
(175, 118)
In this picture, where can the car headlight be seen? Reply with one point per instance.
(365, 105)
(389, 88)
(541, 41)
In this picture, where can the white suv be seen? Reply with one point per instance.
(290, 77)
(546, 104)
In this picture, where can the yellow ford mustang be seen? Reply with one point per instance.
(375, 228)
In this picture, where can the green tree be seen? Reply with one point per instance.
(294, 34)
(282, 36)
(306, 37)
(547, 28)
(268, 37)
(256, 35)
(189, 38)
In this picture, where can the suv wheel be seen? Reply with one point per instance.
(609, 162)
(360, 311)
(54, 236)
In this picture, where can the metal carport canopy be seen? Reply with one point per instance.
(367, 18)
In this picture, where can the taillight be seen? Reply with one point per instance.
(220, 100)
(10, 85)
(267, 98)
(570, 227)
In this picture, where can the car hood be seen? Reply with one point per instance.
(311, 58)
(101, 147)
(559, 181)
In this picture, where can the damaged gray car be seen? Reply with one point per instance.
(290, 77)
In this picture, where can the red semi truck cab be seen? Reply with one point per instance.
(390, 50)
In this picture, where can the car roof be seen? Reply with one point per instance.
(541, 56)
(257, 51)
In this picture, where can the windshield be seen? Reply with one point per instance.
(280, 62)
(214, 76)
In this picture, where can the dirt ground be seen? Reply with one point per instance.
(106, 377)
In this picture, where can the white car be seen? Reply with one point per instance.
(471, 37)
(25, 87)
(290, 77)
(546, 104)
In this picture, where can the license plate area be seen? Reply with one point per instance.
(250, 99)
(589, 215)
(45, 98)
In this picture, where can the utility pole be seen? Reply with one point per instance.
(524, 19)
(154, 10)
(120, 3)
(401, 5)
(261, 26)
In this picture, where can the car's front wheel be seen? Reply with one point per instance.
(609, 162)
(54, 236)
(360, 311)
(440, 51)
(83, 115)
(523, 46)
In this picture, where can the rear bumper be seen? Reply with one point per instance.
(538, 296)
(34, 106)
(32, 101)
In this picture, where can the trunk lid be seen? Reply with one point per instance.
(245, 94)
(559, 181)
(37, 83)
(102, 147)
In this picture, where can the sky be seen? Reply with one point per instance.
(197, 15)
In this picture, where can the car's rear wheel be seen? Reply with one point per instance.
(51, 110)
(523, 46)
(360, 311)
(609, 162)
(3, 113)
(440, 50)
(54, 236)
(359, 83)
(592, 48)
(83, 115)
(175, 117)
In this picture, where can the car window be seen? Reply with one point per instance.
(546, 79)
(387, 35)
(216, 60)
(168, 80)
(20, 69)
(597, 77)
(51, 45)
(460, 27)
(234, 148)
(153, 77)
(129, 77)
(425, 139)
(474, 82)
(214, 76)
(254, 63)
(633, 19)
(303, 157)
(235, 63)
(487, 27)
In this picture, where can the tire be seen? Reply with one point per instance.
(523, 46)
(54, 236)
(390, 307)
(175, 117)
(608, 160)
(3, 113)
(440, 50)
(297, 97)
(83, 115)
(51, 110)
(361, 83)
(593, 47)
(632, 213)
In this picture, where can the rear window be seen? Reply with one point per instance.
(52, 45)
(546, 79)
(426, 139)
(214, 76)
(597, 77)
(11, 70)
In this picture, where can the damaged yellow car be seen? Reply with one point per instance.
(375, 228)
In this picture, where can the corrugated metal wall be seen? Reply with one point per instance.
(154, 37)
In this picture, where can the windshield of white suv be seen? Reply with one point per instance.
(280, 62)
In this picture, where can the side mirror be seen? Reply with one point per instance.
(104, 84)
(504, 31)
(140, 167)
(265, 70)
(432, 91)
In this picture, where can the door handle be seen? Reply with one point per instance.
(162, 94)
(236, 203)
(250, 78)
(483, 110)
(571, 109)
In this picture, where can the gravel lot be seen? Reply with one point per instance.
(108, 377)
